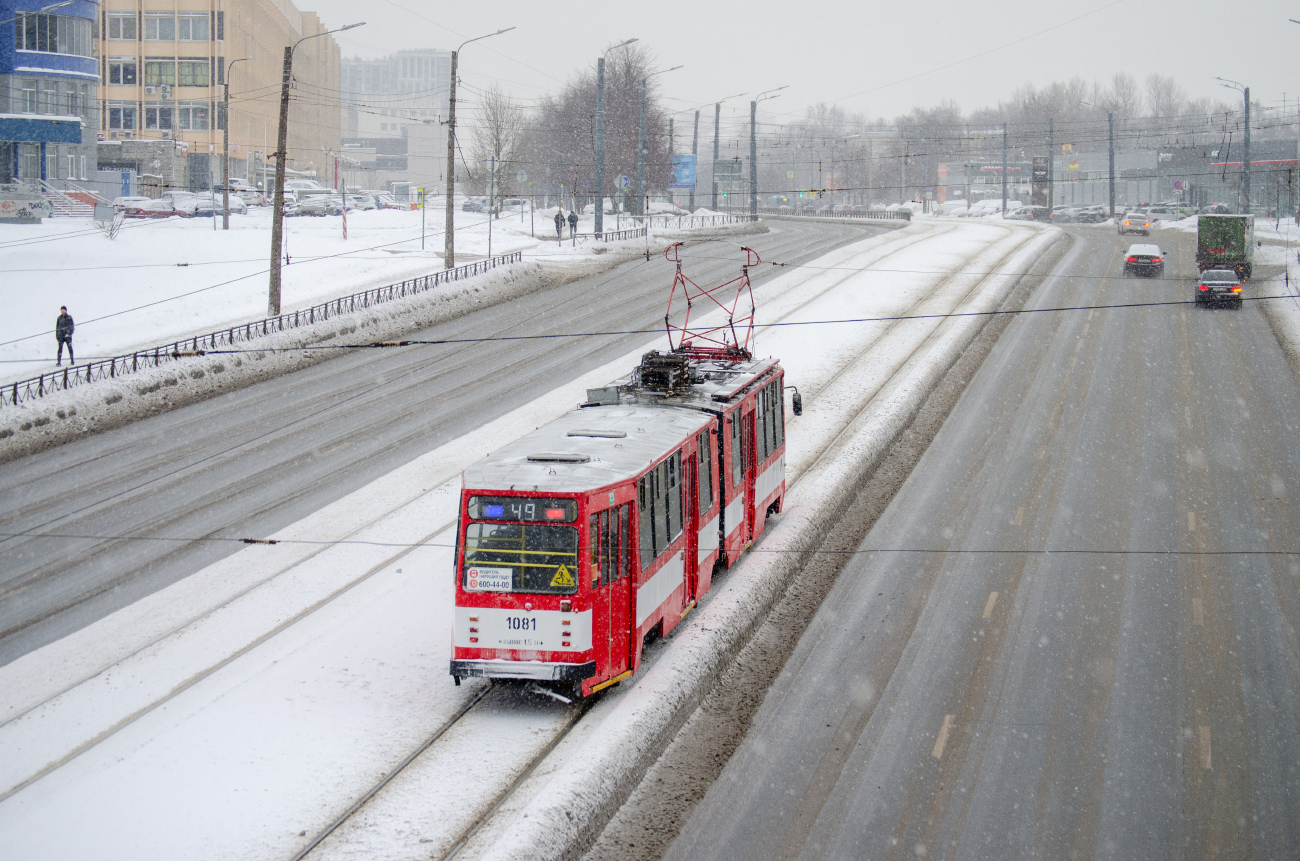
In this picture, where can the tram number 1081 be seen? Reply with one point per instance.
(521, 623)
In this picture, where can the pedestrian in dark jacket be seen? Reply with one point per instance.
(559, 224)
(63, 329)
(573, 223)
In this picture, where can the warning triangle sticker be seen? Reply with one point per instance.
(562, 579)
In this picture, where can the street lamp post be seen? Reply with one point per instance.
(1110, 129)
(600, 136)
(225, 146)
(753, 149)
(717, 123)
(640, 145)
(1245, 166)
(695, 157)
(281, 156)
(449, 232)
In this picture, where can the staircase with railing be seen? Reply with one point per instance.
(75, 204)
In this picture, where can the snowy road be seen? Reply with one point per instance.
(256, 460)
(1014, 703)
(244, 708)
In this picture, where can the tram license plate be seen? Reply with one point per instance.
(489, 579)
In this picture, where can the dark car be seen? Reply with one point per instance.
(1219, 287)
(1144, 260)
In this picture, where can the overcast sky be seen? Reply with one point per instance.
(879, 58)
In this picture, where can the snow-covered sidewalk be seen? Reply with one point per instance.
(161, 280)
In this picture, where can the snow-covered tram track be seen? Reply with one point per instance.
(150, 664)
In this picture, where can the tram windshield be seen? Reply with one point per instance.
(540, 558)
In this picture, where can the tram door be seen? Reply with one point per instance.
(612, 549)
(750, 466)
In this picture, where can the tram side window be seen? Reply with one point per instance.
(646, 520)
(780, 411)
(625, 540)
(764, 449)
(705, 472)
(674, 496)
(737, 465)
(593, 532)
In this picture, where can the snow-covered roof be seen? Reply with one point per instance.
(587, 449)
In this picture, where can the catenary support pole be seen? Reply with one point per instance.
(449, 227)
(1051, 167)
(1004, 169)
(277, 207)
(1245, 176)
(1110, 126)
(695, 157)
(717, 123)
(640, 157)
(753, 161)
(600, 145)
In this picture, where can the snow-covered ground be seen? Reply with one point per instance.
(160, 280)
(239, 711)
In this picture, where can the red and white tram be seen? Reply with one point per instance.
(581, 538)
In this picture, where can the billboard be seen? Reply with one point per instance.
(683, 172)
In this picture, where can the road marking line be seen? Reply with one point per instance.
(988, 608)
(1042, 451)
(1191, 521)
(1020, 516)
(1198, 613)
(1187, 415)
(942, 741)
(1084, 333)
(1203, 746)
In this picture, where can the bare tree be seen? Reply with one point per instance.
(1165, 98)
(498, 132)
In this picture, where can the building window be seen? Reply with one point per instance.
(122, 26)
(49, 103)
(192, 26)
(193, 116)
(121, 115)
(194, 73)
(28, 101)
(159, 72)
(53, 34)
(157, 118)
(121, 70)
(159, 27)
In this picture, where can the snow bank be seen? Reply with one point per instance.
(1283, 314)
(566, 814)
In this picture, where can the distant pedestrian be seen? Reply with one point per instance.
(63, 329)
(559, 224)
(573, 223)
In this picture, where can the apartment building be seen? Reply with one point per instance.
(163, 66)
(48, 82)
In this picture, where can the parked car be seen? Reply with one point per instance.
(1144, 260)
(209, 205)
(121, 204)
(1136, 221)
(1219, 286)
(1092, 215)
(1064, 213)
(362, 202)
(1216, 209)
(386, 200)
(319, 205)
(474, 204)
(1164, 213)
(150, 209)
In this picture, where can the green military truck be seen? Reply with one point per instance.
(1225, 242)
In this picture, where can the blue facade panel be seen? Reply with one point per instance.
(16, 127)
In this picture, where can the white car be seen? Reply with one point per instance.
(121, 203)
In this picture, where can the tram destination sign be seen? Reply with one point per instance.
(523, 509)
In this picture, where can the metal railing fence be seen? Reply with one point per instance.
(13, 394)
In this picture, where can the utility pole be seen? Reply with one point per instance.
(282, 155)
(600, 138)
(1004, 169)
(449, 220)
(717, 122)
(1245, 177)
(695, 157)
(1051, 168)
(753, 160)
(925, 172)
(1110, 125)
(225, 146)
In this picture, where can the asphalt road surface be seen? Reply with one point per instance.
(252, 461)
(1073, 633)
